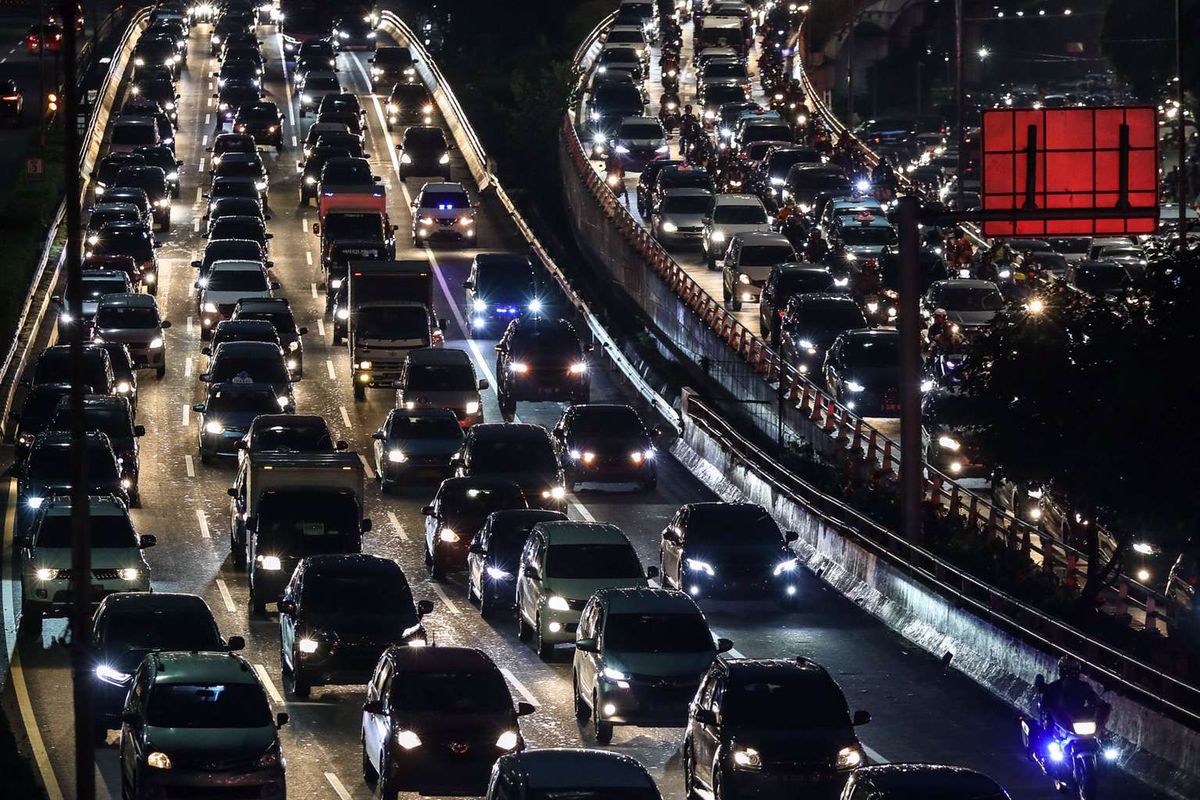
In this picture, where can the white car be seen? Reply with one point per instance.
(314, 87)
(118, 564)
(227, 282)
(731, 214)
(442, 211)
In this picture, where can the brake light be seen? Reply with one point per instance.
(12, 97)
(780, 313)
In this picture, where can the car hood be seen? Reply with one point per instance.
(529, 481)
(381, 627)
(662, 665)
(643, 144)
(583, 588)
(210, 744)
(129, 335)
(472, 729)
(102, 557)
(229, 298)
(875, 377)
(970, 317)
(441, 399)
(609, 447)
(428, 447)
(792, 744)
(239, 420)
(689, 220)
(730, 229)
(868, 250)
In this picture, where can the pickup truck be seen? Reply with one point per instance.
(346, 184)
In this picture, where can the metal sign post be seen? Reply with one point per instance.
(909, 323)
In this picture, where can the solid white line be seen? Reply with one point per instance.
(399, 528)
(189, 466)
(520, 687)
(225, 595)
(337, 786)
(9, 600)
(45, 767)
(366, 467)
(203, 520)
(313, 288)
(346, 417)
(581, 509)
(321, 327)
(268, 684)
(308, 257)
(736, 654)
(453, 609)
(187, 419)
(874, 755)
(332, 374)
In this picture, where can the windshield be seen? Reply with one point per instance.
(954, 409)
(167, 629)
(308, 523)
(282, 321)
(353, 226)
(592, 561)
(383, 594)
(189, 705)
(868, 235)
(608, 422)
(607, 793)
(780, 163)
(106, 530)
(264, 402)
(739, 215)
(502, 277)
(657, 633)
(1120, 252)
(53, 464)
(260, 369)
(970, 298)
(93, 288)
(618, 96)
(1100, 279)
(687, 204)
(480, 501)
(115, 424)
(424, 137)
(717, 69)
(233, 228)
(322, 84)
(715, 526)
(134, 134)
(630, 37)
(508, 453)
(836, 316)
(765, 133)
(346, 173)
(124, 317)
(872, 351)
(444, 201)
(296, 438)
(766, 256)
(1071, 245)
(54, 367)
(237, 280)
(641, 130)
(482, 692)
(687, 179)
(404, 322)
(819, 181)
(784, 702)
(420, 427)
(441, 378)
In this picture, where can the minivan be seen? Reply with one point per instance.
(435, 377)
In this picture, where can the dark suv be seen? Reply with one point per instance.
(424, 151)
(520, 453)
(605, 443)
(540, 359)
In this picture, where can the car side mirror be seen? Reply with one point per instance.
(232, 490)
(378, 436)
(147, 540)
(366, 525)
(302, 330)
(532, 574)
(215, 95)
(704, 716)
(196, 264)
(281, 719)
(477, 549)
(651, 572)
(861, 717)
(427, 510)
(483, 384)
(316, 229)
(235, 644)
(376, 178)
(204, 378)
(341, 445)
(270, 236)
(587, 645)
(373, 707)
(158, 244)
(525, 709)
(166, 323)
(198, 408)
(206, 351)
(468, 284)
(139, 430)
(791, 536)
(724, 645)
(424, 607)
(275, 285)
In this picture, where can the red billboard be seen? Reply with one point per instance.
(1066, 162)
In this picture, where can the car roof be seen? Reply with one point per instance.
(975, 283)
(764, 238)
(576, 767)
(572, 532)
(478, 481)
(932, 781)
(155, 601)
(647, 599)
(129, 300)
(492, 431)
(738, 200)
(297, 420)
(224, 668)
(237, 264)
(98, 506)
(247, 349)
(440, 659)
(686, 191)
(805, 298)
(438, 355)
(757, 668)
(350, 564)
(442, 186)
(872, 333)
(433, 413)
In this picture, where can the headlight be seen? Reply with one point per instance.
(141, 62)
(497, 574)
(307, 98)
(125, 482)
(578, 368)
(701, 566)
(172, 176)
(1084, 728)
(556, 492)
(283, 402)
(44, 574)
(156, 343)
(535, 305)
(270, 563)
(472, 407)
(158, 760)
(364, 365)
(669, 227)
(622, 149)
(849, 757)
(508, 740)
(34, 502)
(224, 106)
(408, 740)
(343, 313)
(479, 305)
(309, 180)
(747, 758)
(556, 603)
(210, 308)
(615, 674)
(405, 158)
(216, 39)
(213, 427)
(292, 363)
(164, 202)
(129, 574)
(445, 159)
(948, 443)
(396, 456)
(744, 278)
(260, 185)
(854, 386)
(637, 456)
(785, 566)
(109, 675)
(519, 367)
(293, 346)
(448, 535)
(427, 109)
(392, 108)
(716, 237)
(307, 645)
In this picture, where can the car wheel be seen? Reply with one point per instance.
(385, 787)
(522, 628)
(205, 458)
(602, 729)
(487, 608)
(435, 570)
(545, 650)
(160, 372)
(258, 606)
(582, 712)
(296, 682)
(360, 392)
(126, 789)
(99, 734)
(718, 791)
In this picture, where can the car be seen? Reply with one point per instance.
(494, 553)
(1105, 280)
(391, 65)
(770, 175)
(606, 443)
(246, 167)
(310, 169)
(700, 555)
(862, 371)
(442, 211)
(251, 362)
(353, 32)
(53, 365)
(970, 304)
(639, 140)
(806, 180)
(130, 133)
(316, 85)
(424, 150)
(125, 383)
(339, 614)
(250, 226)
(758, 727)
(915, 781)
(639, 658)
(118, 564)
(158, 92)
(315, 54)
(163, 157)
(179, 705)
(647, 178)
(12, 101)
(113, 417)
(319, 130)
(499, 288)
(408, 101)
(607, 105)
(154, 51)
(263, 121)
(105, 173)
(36, 414)
(570, 772)
(128, 626)
(226, 414)
(278, 312)
(437, 377)
(134, 320)
(540, 358)
(811, 322)
(621, 58)
(226, 250)
(678, 218)
(94, 285)
(227, 283)
(523, 453)
(435, 720)
(131, 196)
(131, 239)
(680, 176)
(338, 114)
(784, 281)
(288, 433)
(224, 143)
(46, 37)
(47, 471)
(748, 262)
(458, 510)
(731, 214)
(562, 565)
(221, 207)
(414, 444)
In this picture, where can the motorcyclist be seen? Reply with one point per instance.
(670, 72)
(668, 111)
(943, 334)
(689, 129)
(614, 176)
(1065, 700)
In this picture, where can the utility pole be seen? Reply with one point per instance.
(960, 100)
(81, 555)
(850, 74)
(909, 319)
(1182, 191)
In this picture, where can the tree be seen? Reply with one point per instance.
(1139, 39)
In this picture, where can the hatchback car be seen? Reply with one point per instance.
(457, 512)
(228, 283)
(605, 443)
(784, 281)
(521, 453)
(678, 218)
(278, 312)
(134, 320)
(495, 552)
(540, 359)
(570, 772)
(251, 362)
(913, 781)
(748, 262)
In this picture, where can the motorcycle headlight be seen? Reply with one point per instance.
(445, 158)
(557, 603)
(508, 740)
(849, 757)
(270, 563)
(696, 565)
(1084, 728)
(747, 758)
(854, 386)
(949, 443)
(785, 566)
(308, 646)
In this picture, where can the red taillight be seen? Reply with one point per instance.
(780, 313)
(11, 97)
(1192, 580)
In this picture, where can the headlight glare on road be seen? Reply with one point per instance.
(557, 603)
(507, 741)
(307, 645)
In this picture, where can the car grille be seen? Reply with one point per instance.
(98, 574)
(239, 763)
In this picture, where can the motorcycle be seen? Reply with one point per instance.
(670, 77)
(1068, 746)
(946, 367)
(668, 112)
